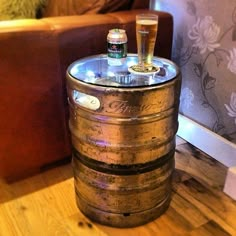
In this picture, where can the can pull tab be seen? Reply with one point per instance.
(85, 100)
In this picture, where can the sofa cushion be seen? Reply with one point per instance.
(79, 7)
(116, 5)
(20, 9)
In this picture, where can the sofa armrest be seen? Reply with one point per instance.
(32, 121)
(163, 45)
(80, 36)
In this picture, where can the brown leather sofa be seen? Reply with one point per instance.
(34, 56)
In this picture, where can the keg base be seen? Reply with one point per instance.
(122, 220)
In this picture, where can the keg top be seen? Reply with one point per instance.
(95, 70)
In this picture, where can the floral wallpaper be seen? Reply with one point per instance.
(204, 47)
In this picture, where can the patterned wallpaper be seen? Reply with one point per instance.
(204, 47)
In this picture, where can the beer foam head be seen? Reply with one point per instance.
(147, 22)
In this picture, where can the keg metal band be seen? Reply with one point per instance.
(118, 169)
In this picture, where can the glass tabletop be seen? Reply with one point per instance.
(95, 70)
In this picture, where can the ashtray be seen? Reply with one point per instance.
(135, 69)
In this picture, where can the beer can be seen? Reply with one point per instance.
(116, 47)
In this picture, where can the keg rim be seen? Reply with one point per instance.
(124, 87)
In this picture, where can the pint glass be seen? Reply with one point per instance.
(146, 32)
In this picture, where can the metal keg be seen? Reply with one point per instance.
(123, 129)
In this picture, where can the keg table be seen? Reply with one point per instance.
(123, 128)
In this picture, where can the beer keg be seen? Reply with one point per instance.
(123, 129)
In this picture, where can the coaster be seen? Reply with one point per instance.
(136, 70)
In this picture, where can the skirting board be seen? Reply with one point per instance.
(230, 182)
(209, 142)
(212, 144)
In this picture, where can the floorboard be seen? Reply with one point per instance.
(45, 203)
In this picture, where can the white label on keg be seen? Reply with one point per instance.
(85, 100)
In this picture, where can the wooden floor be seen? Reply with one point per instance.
(45, 204)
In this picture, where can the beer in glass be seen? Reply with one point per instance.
(146, 33)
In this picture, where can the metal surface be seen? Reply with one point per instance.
(124, 141)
